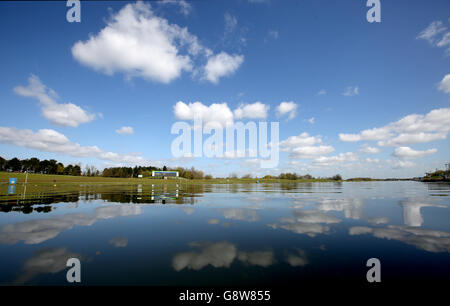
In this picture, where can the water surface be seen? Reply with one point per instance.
(236, 234)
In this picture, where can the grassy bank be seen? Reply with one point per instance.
(68, 179)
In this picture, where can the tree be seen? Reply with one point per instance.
(337, 177)
(164, 168)
(2, 164)
(76, 170)
(59, 168)
(14, 164)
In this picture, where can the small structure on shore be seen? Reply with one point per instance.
(165, 174)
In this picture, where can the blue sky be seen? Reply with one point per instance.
(322, 57)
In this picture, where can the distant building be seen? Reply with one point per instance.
(165, 174)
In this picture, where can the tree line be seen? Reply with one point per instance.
(38, 166)
(34, 165)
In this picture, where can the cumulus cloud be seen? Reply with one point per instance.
(337, 159)
(304, 146)
(407, 152)
(351, 91)
(40, 230)
(240, 214)
(219, 114)
(428, 240)
(304, 139)
(307, 222)
(410, 129)
(46, 261)
(66, 114)
(221, 65)
(125, 130)
(49, 140)
(367, 149)
(308, 152)
(138, 43)
(412, 215)
(352, 207)
(311, 120)
(216, 113)
(401, 164)
(297, 259)
(444, 85)
(219, 255)
(287, 108)
(255, 110)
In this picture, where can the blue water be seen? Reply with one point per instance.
(249, 234)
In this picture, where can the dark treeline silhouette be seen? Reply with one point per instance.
(35, 165)
(295, 176)
(147, 172)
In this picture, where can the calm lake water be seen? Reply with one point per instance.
(249, 234)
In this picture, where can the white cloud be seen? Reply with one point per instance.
(437, 35)
(305, 146)
(37, 231)
(222, 65)
(309, 152)
(256, 110)
(444, 85)
(425, 239)
(410, 129)
(352, 207)
(217, 113)
(301, 140)
(400, 164)
(337, 159)
(444, 41)
(351, 91)
(299, 260)
(125, 130)
(49, 140)
(136, 42)
(322, 92)
(311, 120)
(46, 261)
(432, 31)
(289, 108)
(67, 114)
(369, 150)
(241, 214)
(219, 255)
(405, 138)
(407, 152)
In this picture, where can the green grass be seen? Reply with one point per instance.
(68, 179)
